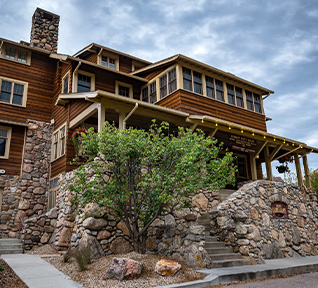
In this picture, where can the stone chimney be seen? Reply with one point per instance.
(45, 30)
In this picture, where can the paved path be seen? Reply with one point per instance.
(37, 273)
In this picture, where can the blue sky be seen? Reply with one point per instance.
(271, 43)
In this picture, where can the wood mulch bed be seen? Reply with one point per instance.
(8, 279)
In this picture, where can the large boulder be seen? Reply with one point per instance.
(123, 269)
(93, 210)
(90, 241)
(120, 246)
(167, 267)
(65, 238)
(94, 224)
(200, 201)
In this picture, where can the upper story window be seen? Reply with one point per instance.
(163, 86)
(16, 54)
(13, 91)
(197, 82)
(230, 93)
(83, 82)
(192, 83)
(58, 142)
(145, 95)
(172, 80)
(5, 138)
(187, 79)
(153, 92)
(124, 89)
(239, 97)
(253, 101)
(209, 87)
(66, 83)
(219, 90)
(108, 60)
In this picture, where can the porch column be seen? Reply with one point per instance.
(268, 165)
(253, 167)
(307, 173)
(101, 116)
(299, 173)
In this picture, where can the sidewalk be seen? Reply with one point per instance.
(276, 267)
(37, 273)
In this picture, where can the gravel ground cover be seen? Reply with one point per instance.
(92, 277)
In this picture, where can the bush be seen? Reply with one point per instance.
(83, 257)
(67, 256)
(1, 268)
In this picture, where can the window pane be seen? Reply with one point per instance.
(104, 61)
(230, 94)
(65, 85)
(84, 83)
(17, 94)
(111, 63)
(172, 80)
(197, 82)
(123, 91)
(2, 146)
(22, 56)
(249, 100)
(145, 96)
(163, 86)
(186, 73)
(6, 86)
(10, 53)
(219, 90)
(5, 94)
(153, 93)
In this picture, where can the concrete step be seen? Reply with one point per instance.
(218, 250)
(11, 251)
(9, 241)
(214, 244)
(230, 263)
(10, 246)
(225, 256)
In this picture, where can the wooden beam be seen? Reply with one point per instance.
(253, 167)
(273, 154)
(260, 150)
(268, 165)
(307, 173)
(213, 132)
(91, 110)
(289, 152)
(299, 173)
(193, 126)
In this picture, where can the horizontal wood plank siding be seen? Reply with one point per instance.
(12, 166)
(40, 76)
(125, 64)
(200, 105)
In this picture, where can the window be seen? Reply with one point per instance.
(209, 87)
(163, 86)
(123, 91)
(108, 60)
(145, 96)
(241, 165)
(249, 100)
(187, 79)
(230, 94)
(257, 103)
(219, 90)
(197, 82)
(65, 83)
(54, 185)
(58, 142)
(153, 92)
(13, 91)
(83, 82)
(239, 97)
(172, 80)
(16, 54)
(5, 138)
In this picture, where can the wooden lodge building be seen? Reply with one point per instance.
(46, 95)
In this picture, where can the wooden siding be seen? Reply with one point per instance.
(12, 166)
(125, 64)
(40, 76)
(200, 105)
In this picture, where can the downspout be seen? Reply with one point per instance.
(130, 113)
(75, 71)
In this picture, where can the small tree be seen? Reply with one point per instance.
(314, 179)
(140, 175)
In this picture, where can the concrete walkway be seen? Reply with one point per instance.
(276, 267)
(37, 273)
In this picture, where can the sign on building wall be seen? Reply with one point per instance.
(242, 144)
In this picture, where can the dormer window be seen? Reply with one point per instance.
(108, 60)
(16, 54)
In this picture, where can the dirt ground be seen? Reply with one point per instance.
(8, 279)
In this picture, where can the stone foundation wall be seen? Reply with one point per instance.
(25, 197)
(246, 221)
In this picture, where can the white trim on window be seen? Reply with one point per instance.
(67, 90)
(129, 86)
(75, 80)
(5, 134)
(59, 142)
(108, 60)
(14, 91)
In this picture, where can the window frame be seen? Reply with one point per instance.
(118, 83)
(153, 92)
(108, 56)
(219, 88)
(163, 85)
(58, 142)
(75, 81)
(14, 81)
(51, 201)
(172, 82)
(63, 84)
(8, 142)
(3, 54)
(212, 88)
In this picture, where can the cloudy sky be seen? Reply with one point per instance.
(269, 42)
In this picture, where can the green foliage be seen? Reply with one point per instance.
(83, 257)
(314, 179)
(2, 268)
(67, 256)
(140, 174)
